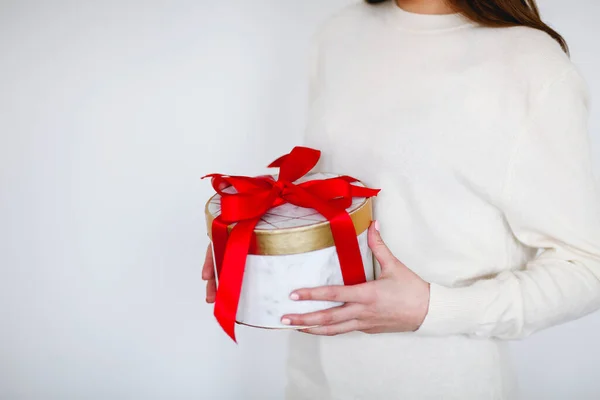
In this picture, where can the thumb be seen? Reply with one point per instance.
(381, 252)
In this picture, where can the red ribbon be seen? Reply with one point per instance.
(254, 197)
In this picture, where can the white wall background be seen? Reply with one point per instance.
(110, 111)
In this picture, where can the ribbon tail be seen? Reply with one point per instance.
(232, 274)
(219, 239)
(359, 191)
(348, 250)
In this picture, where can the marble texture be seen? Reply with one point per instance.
(269, 280)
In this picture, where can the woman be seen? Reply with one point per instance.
(472, 119)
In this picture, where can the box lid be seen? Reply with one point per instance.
(290, 229)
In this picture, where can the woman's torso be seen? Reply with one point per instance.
(428, 112)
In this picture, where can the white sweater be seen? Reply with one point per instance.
(477, 137)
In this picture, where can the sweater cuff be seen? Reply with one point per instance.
(452, 311)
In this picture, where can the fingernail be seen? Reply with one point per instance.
(294, 296)
(376, 225)
(286, 321)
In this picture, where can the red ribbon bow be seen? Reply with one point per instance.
(254, 197)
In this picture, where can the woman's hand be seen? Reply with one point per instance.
(208, 274)
(396, 302)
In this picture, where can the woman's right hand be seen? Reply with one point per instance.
(208, 275)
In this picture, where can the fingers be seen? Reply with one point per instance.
(208, 274)
(330, 316)
(336, 329)
(361, 293)
(211, 291)
(378, 247)
(208, 270)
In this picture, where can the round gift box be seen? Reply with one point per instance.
(294, 249)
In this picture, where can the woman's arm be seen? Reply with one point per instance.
(551, 201)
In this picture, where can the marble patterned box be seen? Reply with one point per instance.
(294, 249)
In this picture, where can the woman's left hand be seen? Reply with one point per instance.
(396, 302)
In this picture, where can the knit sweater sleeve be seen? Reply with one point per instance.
(551, 202)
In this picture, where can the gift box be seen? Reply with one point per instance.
(273, 234)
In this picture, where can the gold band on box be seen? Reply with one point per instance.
(301, 239)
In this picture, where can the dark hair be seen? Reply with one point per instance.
(502, 13)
